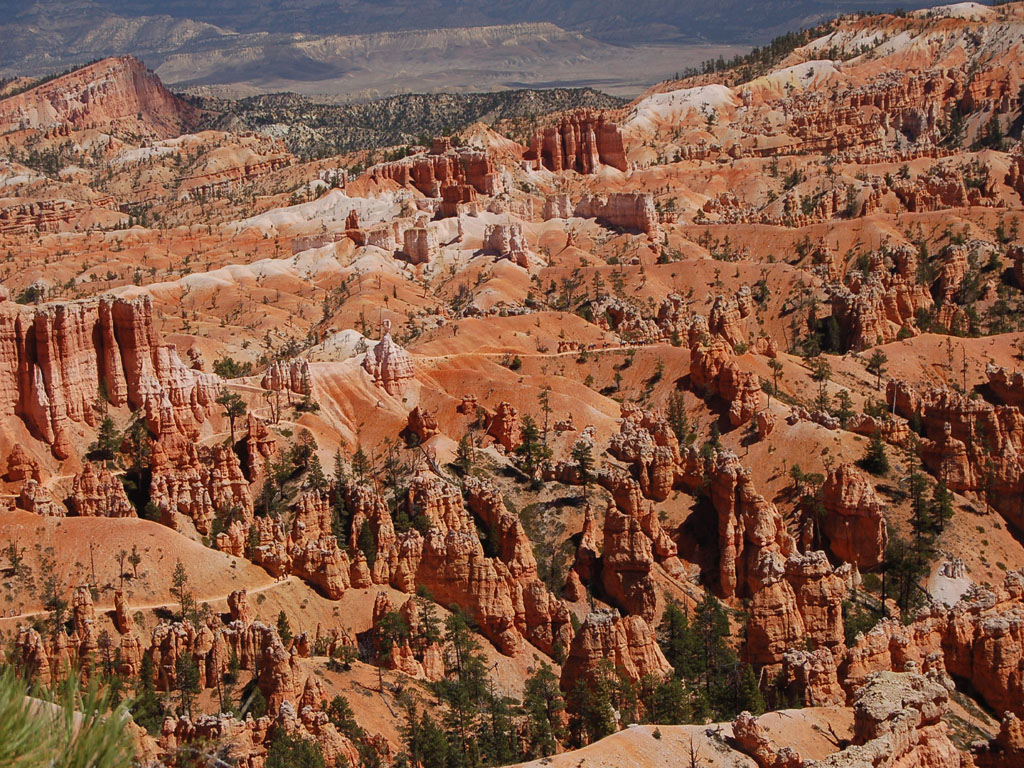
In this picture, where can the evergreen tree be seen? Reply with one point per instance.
(749, 698)
(367, 543)
(876, 459)
(147, 709)
(290, 750)
(543, 705)
(234, 408)
(108, 441)
(584, 461)
(679, 420)
(180, 588)
(843, 407)
(186, 677)
(284, 629)
(340, 713)
(531, 449)
(464, 456)
(903, 569)
(360, 464)
(941, 508)
(339, 509)
(668, 704)
(678, 641)
(592, 716)
(876, 366)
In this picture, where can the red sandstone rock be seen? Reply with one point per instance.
(20, 467)
(421, 424)
(628, 643)
(626, 565)
(122, 618)
(98, 493)
(36, 499)
(61, 354)
(505, 427)
(288, 375)
(581, 142)
(752, 740)
(116, 94)
(853, 522)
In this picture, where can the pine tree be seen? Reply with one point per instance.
(941, 507)
(876, 460)
(367, 543)
(284, 629)
(749, 698)
(876, 366)
(678, 641)
(234, 408)
(584, 461)
(181, 589)
(843, 407)
(186, 677)
(530, 449)
(464, 456)
(340, 713)
(360, 464)
(108, 441)
(679, 420)
(147, 709)
(290, 750)
(669, 703)
(543, 706)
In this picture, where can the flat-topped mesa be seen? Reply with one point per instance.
(55, 358)
(582, 141)
(633, 211)
(628, 643)
(431, 173)
(389, 364)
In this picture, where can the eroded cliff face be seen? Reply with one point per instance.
(628, 643)
(972, 444)
(581, 142)
(119, 95)
(57, 359)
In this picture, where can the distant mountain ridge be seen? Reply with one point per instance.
(365, 49)
(620, 21)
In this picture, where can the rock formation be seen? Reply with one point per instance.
(118, 94)
(581, 142)
(632, 211)
(99, 493)
(57, 357)
(390, 366)
(853, 521)
(627, 643)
